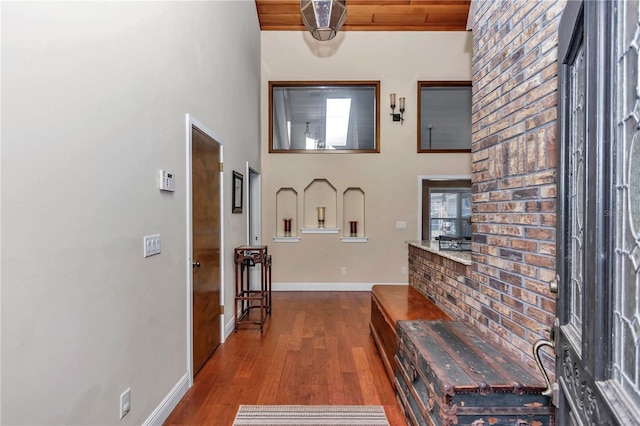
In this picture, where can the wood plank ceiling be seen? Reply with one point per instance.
(373, 15)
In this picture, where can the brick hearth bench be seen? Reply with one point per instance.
(393, 303)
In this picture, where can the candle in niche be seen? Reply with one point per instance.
(353, 228)
(287, 226)
(320, 211)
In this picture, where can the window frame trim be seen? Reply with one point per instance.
(437, 83)
(441, 181)
(324, 83)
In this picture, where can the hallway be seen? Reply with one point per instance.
(316, 350)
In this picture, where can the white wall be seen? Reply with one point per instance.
(389, 179)
(94, 97)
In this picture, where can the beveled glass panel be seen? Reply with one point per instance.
(631, 74)
(577, 188)
(634, 188)
(626, 281)
(629, 347)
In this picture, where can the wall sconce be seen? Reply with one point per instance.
(397, 117)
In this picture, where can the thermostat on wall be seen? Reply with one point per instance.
(167, 181)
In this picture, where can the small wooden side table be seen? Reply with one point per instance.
(246, 298)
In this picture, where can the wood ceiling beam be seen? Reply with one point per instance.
(373, 15)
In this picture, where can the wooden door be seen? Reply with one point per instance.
(598, 327)
(205, 160)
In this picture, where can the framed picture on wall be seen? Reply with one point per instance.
(236, 206)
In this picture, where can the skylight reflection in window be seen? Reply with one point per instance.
(338, 111)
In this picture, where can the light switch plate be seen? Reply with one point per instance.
(125, 403)
(401, 224)
(151, 245)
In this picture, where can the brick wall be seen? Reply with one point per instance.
(514, 164)
(442, 280)
(505, 292)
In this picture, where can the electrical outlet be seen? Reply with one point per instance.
(405, 270)
(344, 270)
(401, 224)
(125, 403)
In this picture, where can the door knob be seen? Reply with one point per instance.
(195, 263)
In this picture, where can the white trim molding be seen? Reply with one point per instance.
(164, 409)
(327, 286)
(354, 239)
(320, 230)
(192, 122)
(229, 327)
(286, 239)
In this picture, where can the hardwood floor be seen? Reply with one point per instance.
(315, 350)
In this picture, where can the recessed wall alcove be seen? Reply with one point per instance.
(353, 207)
(286, 208)
(320, 193)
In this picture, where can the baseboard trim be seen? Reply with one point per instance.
(326, 286)
(162, 411)
(229, 328)
(230, 325)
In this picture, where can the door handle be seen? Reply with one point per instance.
(552, 388)
(536, 353)
(195, 263)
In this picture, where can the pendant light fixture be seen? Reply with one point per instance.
(323, 18)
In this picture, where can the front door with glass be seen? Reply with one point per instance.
(598, 333)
